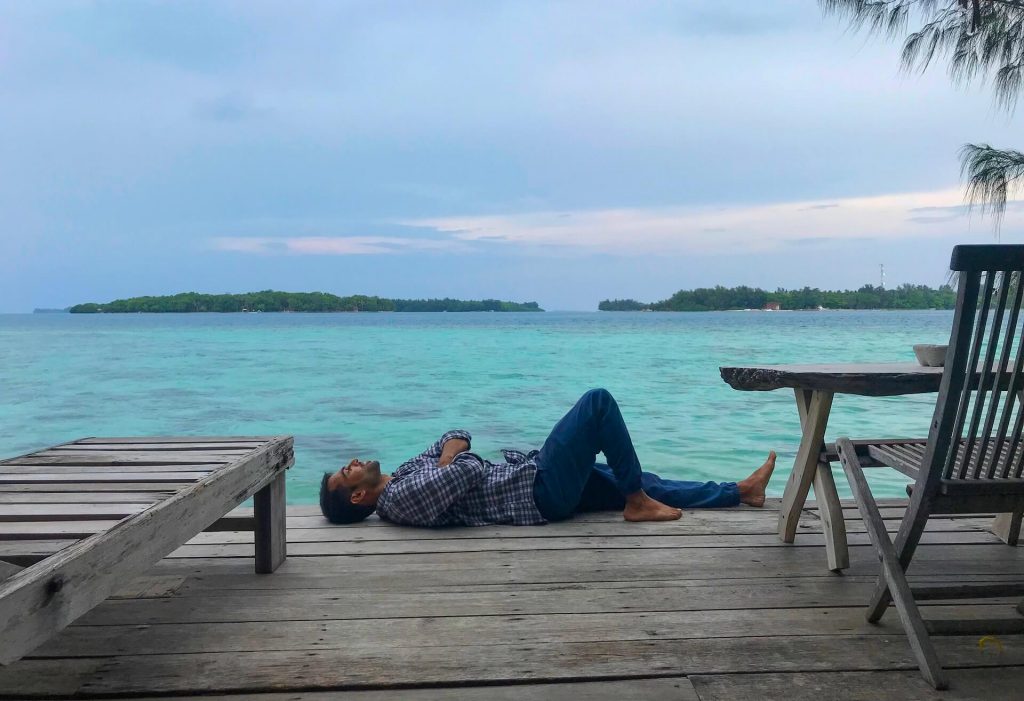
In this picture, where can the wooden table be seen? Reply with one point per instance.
(814, 387)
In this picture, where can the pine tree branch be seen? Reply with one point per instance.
(992, 175)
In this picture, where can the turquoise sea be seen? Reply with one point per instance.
(386, 385)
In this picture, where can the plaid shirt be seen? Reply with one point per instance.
(468, 492)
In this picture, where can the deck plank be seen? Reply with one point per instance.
(193, 446)
(200, 601)
(69, 512)
(665, 689)
(104, 469)
(143, 440)
(82, 487)
(77, 478)
(75, 499)
(354, 633)
(127, 458)
(384, 665)
(243, 544)
(999, 684)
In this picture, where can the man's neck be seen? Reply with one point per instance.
(384, 479)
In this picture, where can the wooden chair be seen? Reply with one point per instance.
(973, 457)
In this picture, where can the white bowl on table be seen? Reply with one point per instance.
(930, 356)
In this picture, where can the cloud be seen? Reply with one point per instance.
(226, 108)
(330, 245)
(934, 215)
(725, 230)
(951, 209)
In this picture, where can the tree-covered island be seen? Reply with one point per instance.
(272, 301)
(720, 298)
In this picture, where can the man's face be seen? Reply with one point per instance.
(356, 476)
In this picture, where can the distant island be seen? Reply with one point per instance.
(46, 310)
(272, 301)
(706, 299)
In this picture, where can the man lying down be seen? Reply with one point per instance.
(448, 485)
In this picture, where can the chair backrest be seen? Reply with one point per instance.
(976, 429)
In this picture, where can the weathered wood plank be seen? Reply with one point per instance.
(735, 522)
(34, 604)
(28, 552)
(409, 572)
(308, 528)
(242, 545)
(148, 587)
(69, 512)
(104, 469)
(196, 603)
(39, 530)
(74, 499)
(868, 379)
(771, 504)
(357, 668)
(990, 684)
(122, 447)
(105, 477)
(125, 459)
(469, 631)
(142, 440)
(58, 678)
(82, 487)
(97, 453)
(665, 689)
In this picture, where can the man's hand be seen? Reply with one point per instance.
(451, 448)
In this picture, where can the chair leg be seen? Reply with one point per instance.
(880, 600)
(895, 578)
(1007, 527)
(907, 540)
(910, 616)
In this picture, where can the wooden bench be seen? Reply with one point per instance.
(80, 519)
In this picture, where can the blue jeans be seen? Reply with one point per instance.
(569, 479)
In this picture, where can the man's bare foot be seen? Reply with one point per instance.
(752, 488)
(640, 507)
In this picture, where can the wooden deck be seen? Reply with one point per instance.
(710, 607)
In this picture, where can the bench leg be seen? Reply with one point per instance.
(271, 531)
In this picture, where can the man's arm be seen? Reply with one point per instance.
(434, 452)
(421, 498)
(452, 447)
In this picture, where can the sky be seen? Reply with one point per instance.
(558, 152)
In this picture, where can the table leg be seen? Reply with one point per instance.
(813, 407)
(831, 511)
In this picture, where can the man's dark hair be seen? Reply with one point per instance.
(336, 504)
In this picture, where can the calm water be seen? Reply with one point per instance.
(387, 385)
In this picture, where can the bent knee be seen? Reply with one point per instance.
(599, 393)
